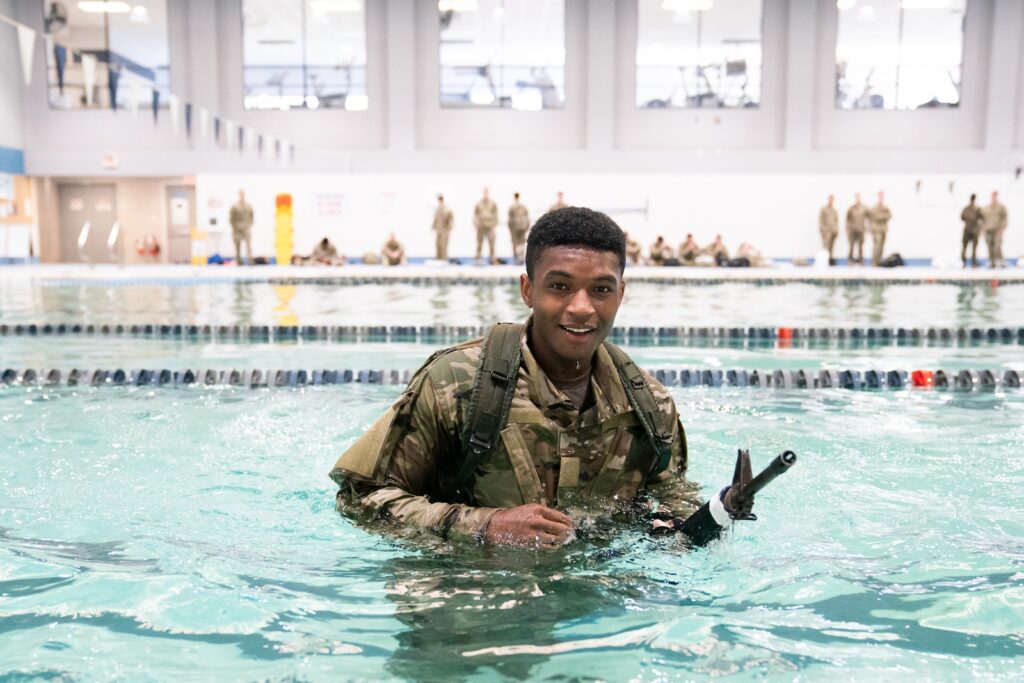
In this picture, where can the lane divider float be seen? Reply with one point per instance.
(941, 380)
(664, 336)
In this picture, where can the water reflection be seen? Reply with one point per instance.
(723, 304)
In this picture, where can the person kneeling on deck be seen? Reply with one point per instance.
(496, 438)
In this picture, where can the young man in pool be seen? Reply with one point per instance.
(558, 420)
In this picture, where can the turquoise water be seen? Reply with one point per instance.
(160, 534)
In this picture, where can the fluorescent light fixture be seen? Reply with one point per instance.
(926, 4)
(336, 5)
(687, 5)
(457, 5)
(357, 103)
(99, 6)
(846, 4)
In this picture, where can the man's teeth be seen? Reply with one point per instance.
(578, 330)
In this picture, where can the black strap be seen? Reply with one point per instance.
(495, 385)
(644, 404)
(493, 389)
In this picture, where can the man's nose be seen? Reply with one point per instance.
(580, 305)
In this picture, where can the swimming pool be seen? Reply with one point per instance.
(159, 533)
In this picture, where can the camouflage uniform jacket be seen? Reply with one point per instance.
(995, 217)
(879, 216)
(485, 214)
(548, 453)
(828, 221)
(855, 219)
(518, 218)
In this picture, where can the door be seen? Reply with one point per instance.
(181, 217)
(79, 204)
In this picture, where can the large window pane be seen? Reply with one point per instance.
(129, 39)
(304, 53)
(899, 54)
(698, 53)
(502, 53)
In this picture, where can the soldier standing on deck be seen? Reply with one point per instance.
(995, 226)
(559, 203)
(485, 220)
(828, 226)
(879, 216)
(855, 220)
(518, 226)
(444, 220)
(240, 217)
(973, 219)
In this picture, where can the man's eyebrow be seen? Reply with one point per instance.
(562, 273)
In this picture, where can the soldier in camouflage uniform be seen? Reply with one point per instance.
(995, 226)
(828, 226)
(572, 439)
(485, 220)
(518, 226)
(973, 219)
(879, 216)
(856, 218)
(444, 220)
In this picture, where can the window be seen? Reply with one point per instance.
(126, 41)
(698, 53)
(502, 53)
(304, 53)
(899, 54)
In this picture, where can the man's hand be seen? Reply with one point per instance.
(532, 525)
(736, 504)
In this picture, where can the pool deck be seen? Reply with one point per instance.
(425, 274)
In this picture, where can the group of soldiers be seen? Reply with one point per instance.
(485, 222)
(690, 253)
(860, 219)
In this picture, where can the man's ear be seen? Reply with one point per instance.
(526, 289)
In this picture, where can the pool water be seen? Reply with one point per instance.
(158, 534)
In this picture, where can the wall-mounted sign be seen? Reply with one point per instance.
(109, 161)
(76, 204)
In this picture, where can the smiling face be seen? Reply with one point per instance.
(575, 293)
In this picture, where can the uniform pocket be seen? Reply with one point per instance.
(522, 464)
(619, 444)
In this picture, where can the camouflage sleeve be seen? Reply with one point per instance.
(676, 495)
(414, 464)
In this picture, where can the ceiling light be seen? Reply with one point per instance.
(457, 5)
(321, 6)
(926, 4)
(846, 4)
(687, 5)
(100, 6)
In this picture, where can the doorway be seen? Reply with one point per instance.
(92, 204)
(181, 218)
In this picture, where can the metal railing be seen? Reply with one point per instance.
(83, 238)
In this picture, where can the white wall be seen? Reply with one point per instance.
(777, 213)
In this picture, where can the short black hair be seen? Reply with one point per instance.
(575, 226)
(973, 197)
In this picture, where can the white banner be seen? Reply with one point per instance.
(204, 122)
(88, 76)
(229, 133)
(27, 43)
(174, 109)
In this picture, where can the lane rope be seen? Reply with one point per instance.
(941, 380)
(782, 337)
